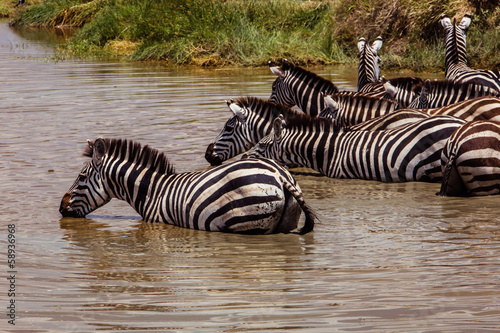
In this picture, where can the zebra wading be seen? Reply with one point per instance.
(456, 67)
(252, 120)
(247, 196)
(295, 86)
(434, 94)
(479, 108)
(471, 160)
(408, 153)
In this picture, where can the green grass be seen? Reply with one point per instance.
(250, 33)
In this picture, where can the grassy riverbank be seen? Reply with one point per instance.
(250, 33)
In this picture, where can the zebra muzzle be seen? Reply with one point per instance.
(211, 156)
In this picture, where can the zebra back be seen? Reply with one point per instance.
(408, 153)
(402, 89)
(471, 160)
(369, 62)
(246, 196)
(354, 109)
(433, 94)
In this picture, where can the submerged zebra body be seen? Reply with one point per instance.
(471, 160)
(433, 94)
(409, 153)
(456, 67)
(247, 196)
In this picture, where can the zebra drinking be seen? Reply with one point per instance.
(456, 67)
(408, 153)
(471, 160)
(246, 196)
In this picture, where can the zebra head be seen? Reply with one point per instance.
(421, 99)
(87, 192)
(281, 89)
(369, 62)
(269, 146)
(456, 38)
(234, 138)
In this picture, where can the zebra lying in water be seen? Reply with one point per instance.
(247, 196)
(409, 153)
(471, 160)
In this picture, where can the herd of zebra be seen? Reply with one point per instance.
(396, 130)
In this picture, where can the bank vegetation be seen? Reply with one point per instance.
(250, 33)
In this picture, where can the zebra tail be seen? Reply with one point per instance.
(309, 213)
(452, 184)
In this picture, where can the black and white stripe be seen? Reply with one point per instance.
(369, 63)
(471, 160)
(408, 153)
(433, 94)
(246, 196)
(457, 68)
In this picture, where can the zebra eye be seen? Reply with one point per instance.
(82, 176)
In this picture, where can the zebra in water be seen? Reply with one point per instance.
(456, 67)
(479, 108)
(433, 94)
(408, 153)
(471, 160)
(295, 86)
(247, 196)
(252, 120)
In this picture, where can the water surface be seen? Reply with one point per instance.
(384, 257)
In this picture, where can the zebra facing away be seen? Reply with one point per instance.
(369, 63)
(456, 67)
(409, 153)
(248, 196)
(471, 160)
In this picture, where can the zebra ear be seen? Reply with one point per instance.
(377, 44)
(464, 24)
(331, 103)
(446, 22)
(278, 126)
(238, 111)
(361, 44)
(389, 89)
(99, 150)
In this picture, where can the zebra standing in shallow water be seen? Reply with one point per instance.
(471, 160)
(409, 153)
(456, 67)
(247, 196)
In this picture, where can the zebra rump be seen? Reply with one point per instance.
(246, 196)
(471, 160)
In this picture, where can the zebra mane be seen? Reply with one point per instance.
(261, 106)
(133, 152)
(308, 76)
(404, 81)
(349, 99)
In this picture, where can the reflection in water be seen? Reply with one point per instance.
(384, 257)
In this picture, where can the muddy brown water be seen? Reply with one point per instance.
(384, 257)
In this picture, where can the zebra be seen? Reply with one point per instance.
(456, 67)
(408, 153)
(471, 160)
(295, 86)
(252, 120)
(479, 108)
(369, 63)
(433, 94)
(246, 196)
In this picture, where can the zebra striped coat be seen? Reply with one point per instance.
(252, 120)
(471, 160)
(369, 63)
(434, 94)
(247, 196)
(295, 86)
(456, 56)
(409, 153)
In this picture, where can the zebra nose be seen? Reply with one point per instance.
(211, 156)
(65, 208)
